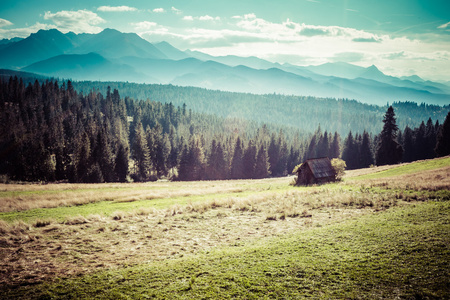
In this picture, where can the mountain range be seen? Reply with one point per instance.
(115, 56)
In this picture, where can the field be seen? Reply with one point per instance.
(380, 233)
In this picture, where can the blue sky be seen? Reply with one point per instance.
(401, 37)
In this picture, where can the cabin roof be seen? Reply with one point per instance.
(320, 167)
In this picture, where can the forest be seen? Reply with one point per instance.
(52, 132)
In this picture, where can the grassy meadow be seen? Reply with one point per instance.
(381, 233)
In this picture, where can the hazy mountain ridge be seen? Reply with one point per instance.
(127, 57)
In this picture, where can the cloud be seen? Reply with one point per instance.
(349, 57)
(394, 55)
(206, 18)
(176, 10)
(4, 23)
(444, 26)
(201, 18)
(159, 10)
(116, 8)
(143, 26)
(366, 40)
(24, 32)
(77, 21)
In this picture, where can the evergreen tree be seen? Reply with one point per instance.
(408, 145)
(103, 156)
(420, 142)
(335, 148)
(141, 154)
(249, 161)
(274, 154)
(430, 139)
(323, 146)
(184, 168)
(262, 166)
(365, 156)
(196, 159)
(82, 158)
(389, 151)
(311, 151)
(237, 167)
(217, 166)
(350, 152)
(121, 164)
(443, 138)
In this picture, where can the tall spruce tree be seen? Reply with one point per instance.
(121, 163)
(350, 152)
(262, 166)
(408, 145)
(443, 138)
(141, 154)
(365, 152)
(389, 151)
(249, 161)
(237, 168)
(335, 148)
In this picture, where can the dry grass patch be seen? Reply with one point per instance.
(16, 197)
(429, 180)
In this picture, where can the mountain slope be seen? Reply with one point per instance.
(170, 51)
(91, 66)
(38, 46)
(111, 43)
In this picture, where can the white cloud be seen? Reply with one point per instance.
(77, 21)
(206, 18)
(305, 44)
(159, 10)
(116, 8)
(4, 23)
(24, 32)
(144, 26)
(445, 26)
(201, 18)
(176, 10)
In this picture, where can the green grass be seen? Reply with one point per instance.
(402, 253)
(409, 168)
(107, 208)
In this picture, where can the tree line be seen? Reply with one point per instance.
(51, 132)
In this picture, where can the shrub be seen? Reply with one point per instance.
(339, 167)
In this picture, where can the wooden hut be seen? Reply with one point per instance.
(316, 170)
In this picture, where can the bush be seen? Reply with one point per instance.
(339, 167)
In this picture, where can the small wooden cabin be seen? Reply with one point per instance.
(316, 170)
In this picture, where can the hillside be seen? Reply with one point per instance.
(305, 113)
(383, 236)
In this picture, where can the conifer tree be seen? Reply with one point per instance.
(365, 152)
(121, 164)
(350, 152)
(389, 151)
(184, 168)
(249, 161)
(335, 149)
(197, 159)
(408, 145)
(262, 166)
(443, 138)
(141, 154)
(237, 168)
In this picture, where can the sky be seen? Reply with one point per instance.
(400, 37)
